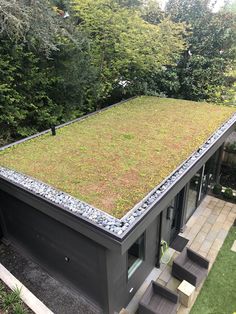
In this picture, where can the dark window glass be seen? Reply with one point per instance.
(193, 194)
(135, 255)
(211, 166)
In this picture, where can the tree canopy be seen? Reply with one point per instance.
(60, 59)
(123, 45)
(211, 48)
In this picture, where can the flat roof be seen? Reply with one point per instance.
(114, 158)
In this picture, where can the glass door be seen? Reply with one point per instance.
(198, 185)
(171, 218)
(193, 193)
(204, 183)
(175, 221)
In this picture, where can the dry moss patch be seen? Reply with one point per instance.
(113, 159)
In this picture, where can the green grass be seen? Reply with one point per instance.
(218, 295)
(10, 301)
(113, 159)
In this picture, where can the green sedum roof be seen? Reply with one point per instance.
(113, 159)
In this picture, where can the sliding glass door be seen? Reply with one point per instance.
(193, 193)
(198, 186)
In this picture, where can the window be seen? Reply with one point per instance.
(135, 255)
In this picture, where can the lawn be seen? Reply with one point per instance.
(113, 159)
(218, 295)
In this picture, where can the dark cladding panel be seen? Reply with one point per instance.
(120, 288)
(64, 252)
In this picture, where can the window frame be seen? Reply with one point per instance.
(138, 262)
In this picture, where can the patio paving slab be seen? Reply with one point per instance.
(206, 227)
(222, 234)
(173, 284)
(205, 247)
(166, 274)
(211, 236)
(212, 218)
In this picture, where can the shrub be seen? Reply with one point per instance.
(217, 189)
(228, 193)
(230, 147)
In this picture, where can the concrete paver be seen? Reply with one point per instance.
(205, 247)
(206, 227)
(173, 284)
(211, 236)
(222, 234)
(166, 274)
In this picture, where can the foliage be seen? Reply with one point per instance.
(230, 147)
(101, 159)
(217, 189)
(34, 23)
(56, 66)
(228, 193)
(152, 12)
(164, 81)
(76, 85)
(211, 48)
(124, 47)
(36, 93)
(228, 176)
(10, 301)
(129, 3)
(25, 106)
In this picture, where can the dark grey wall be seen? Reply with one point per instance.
(64, 252)
(1, 232)
(99, 273)
(118, 284)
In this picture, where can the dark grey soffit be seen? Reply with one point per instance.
(113, 227)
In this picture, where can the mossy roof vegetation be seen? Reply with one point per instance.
(114, 158)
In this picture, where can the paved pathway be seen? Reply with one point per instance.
(206, 231)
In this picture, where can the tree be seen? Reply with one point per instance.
(211, 47)
(129, 3)
(36, 91)
(101, 47)
(124, 47)
(76, 86)
(162, 81)
(152, 12)
(34, 22)
(24, 104)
